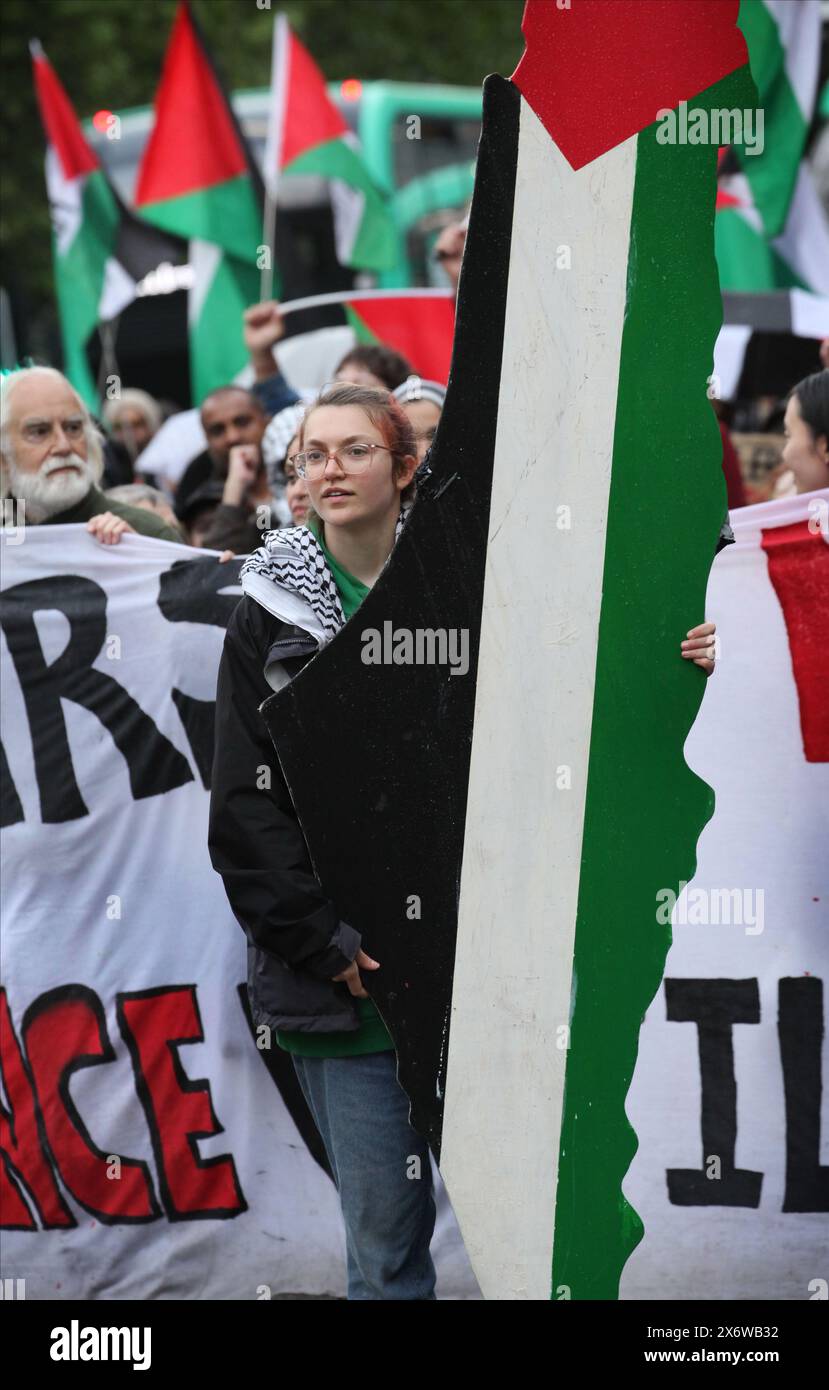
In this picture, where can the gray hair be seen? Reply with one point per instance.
(133, 493)
(137, 399)
(8, 384)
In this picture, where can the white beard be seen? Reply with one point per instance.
(47, 492)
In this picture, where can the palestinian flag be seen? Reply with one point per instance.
(196, 179)
(417, 323)
(783, 38)
(523, 789)
(307, 135)
(750, 261)
(101, 251)
(771, 228)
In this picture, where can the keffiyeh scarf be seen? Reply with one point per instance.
(293, 559)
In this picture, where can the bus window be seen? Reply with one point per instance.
(441, 141)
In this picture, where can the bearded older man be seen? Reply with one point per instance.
(51, 460)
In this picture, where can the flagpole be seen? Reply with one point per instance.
(108, 365)
(268, 238)
(317, 301)
(273, 147)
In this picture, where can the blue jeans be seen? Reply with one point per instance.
(361, 1111)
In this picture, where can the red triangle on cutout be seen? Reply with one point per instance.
(598, 71)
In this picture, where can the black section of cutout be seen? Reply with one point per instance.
(377, 756)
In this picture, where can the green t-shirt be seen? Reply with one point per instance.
(372, 1034)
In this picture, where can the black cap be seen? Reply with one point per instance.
(204, 495)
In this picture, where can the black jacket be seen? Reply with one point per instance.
(296, 941)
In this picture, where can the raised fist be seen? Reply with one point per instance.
(263, 327)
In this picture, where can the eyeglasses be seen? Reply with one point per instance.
(354, 458)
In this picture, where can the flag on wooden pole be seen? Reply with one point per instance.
(308, 135)
(101, 250)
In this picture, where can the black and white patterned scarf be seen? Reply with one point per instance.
(293, 560)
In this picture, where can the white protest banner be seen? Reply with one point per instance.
(149, 1150)
(731, 1177)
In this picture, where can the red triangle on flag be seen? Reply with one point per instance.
(62, 126)
(421, 327)
(308, 115)
(194, 143)
(727, 200)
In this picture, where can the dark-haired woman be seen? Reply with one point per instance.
(806, 426)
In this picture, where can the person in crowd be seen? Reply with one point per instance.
(247, 507)
(296, 488)
(423, 403)
(118, 470)
(230, 415)
(373, 364)
(234, 424)
(132, 419)
(196, 516)
(51, 459)
(449, 248)
(264, 327)
(142, 495)
(806, 427)
(358, 457)
(233, 415)
(277, 442)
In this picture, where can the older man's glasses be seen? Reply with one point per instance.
(352, 458)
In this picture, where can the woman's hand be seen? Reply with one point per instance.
(351, 976)
(700, 647)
